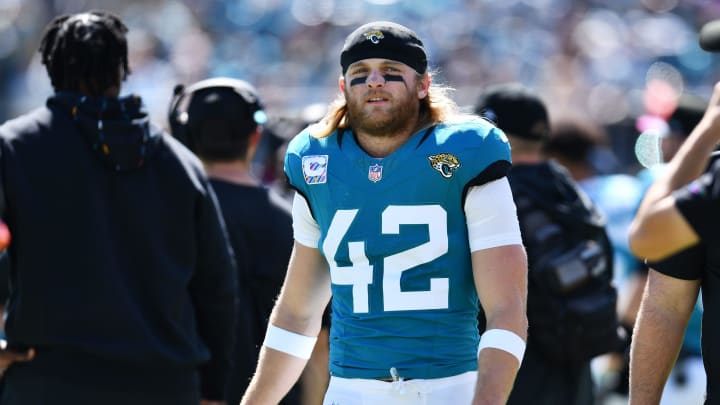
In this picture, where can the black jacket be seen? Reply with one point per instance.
(121, 272)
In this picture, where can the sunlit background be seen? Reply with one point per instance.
(619, 63)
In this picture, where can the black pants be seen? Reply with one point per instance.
(541, 383)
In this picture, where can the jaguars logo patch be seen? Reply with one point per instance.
(374, 36)
(445, 163)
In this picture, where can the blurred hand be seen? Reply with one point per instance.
(4, 236)
(8, 357)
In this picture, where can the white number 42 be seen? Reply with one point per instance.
(360, 274)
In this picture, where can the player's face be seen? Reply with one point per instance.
(382, 96)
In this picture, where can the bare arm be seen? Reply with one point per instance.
(664, 313)
(501, 281)
(630, 297)
(299, 309)
(659, 229)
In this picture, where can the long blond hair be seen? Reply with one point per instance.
(436, 107)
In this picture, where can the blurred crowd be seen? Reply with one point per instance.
(610, 61)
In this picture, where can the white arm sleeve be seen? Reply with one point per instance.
(491, 216)
(305, 229)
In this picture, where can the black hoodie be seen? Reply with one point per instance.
(121, 273)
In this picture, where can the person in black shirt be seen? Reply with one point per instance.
(678, 215)
(221, 120)
(675, 233)
(121, 275)
(547, 199)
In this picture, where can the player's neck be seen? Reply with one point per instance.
(528, 158)
(382, 145)
(236, 171)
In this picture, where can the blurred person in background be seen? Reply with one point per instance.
(315, 376)
(281, 130)
(403, 215)
(122, 278)
(551, 203)
(581, 146)
(676, 230)
(686, 383)
(221, 121)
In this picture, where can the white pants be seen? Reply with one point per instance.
(456, 390)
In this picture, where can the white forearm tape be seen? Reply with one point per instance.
(288, 342)
(504, 340)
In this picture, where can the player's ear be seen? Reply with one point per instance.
(423, 85)
(341, 83)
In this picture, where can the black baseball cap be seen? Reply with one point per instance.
(215, 117)
(386, 40)
(516, 110)
(710, 36)
(228, 100)
(226, 97)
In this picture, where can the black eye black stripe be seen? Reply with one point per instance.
(393, 78)
(388, 78)
(358, 80)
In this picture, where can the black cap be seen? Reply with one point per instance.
(710, 36)
(386, 40)
(516, 110)
(239, 95)
(687, 114)
(212, 115)
(233, 100)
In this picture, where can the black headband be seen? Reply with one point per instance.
(386, 40)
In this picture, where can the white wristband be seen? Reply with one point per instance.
(289, 342)
(504, 340)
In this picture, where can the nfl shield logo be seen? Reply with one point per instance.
(375, 173)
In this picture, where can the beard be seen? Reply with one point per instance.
(385, 122)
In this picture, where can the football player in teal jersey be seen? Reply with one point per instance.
(403, 214)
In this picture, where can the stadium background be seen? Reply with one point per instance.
(611, 61)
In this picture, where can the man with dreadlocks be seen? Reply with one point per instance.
(123, 282)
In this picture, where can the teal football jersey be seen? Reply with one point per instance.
(394, 234)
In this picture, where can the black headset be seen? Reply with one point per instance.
(178, 112)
